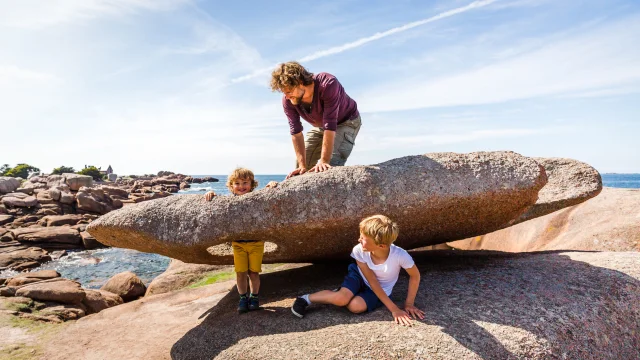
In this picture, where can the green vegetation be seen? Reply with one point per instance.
(92, 171)
(214, 278)
(21, 170)
(63, 170)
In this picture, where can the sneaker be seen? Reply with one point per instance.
(243, 305)
(299, 307)
(254, 303)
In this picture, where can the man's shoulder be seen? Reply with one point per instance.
(325, 78)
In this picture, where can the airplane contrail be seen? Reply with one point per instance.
(357, 43)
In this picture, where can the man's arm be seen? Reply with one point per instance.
(414, 282)
(399, 315)
(298, 147)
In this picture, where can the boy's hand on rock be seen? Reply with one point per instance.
(210, 195)
(272, 184)
(401, 317)
(414, 312)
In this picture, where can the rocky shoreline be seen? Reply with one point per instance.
(43, 217)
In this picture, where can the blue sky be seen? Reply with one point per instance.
(182, 85)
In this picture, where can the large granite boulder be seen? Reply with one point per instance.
(76, 181)
(8, 184)
(434, 198)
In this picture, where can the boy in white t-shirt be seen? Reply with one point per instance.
(369, 283)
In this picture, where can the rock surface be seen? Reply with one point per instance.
(608, 222)
(8, 184)
(57, 290)
(178, 276)
(477, 306)
(126, 285)
(98, 300)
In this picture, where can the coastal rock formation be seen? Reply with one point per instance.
(8, 184)
(573, 305)
(434, 198)
(608, 222)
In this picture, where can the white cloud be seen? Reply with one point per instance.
(38, 14)
(377, 36)
(602, 58)
(11, 73)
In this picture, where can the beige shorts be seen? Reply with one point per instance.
(342, 146)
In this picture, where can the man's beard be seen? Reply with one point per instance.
(297, 100)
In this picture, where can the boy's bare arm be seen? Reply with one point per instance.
(414, 283)
(399, 315)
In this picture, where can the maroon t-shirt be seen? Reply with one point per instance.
(330, 106)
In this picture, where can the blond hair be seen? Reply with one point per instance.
(241, 173)
(380, 228)
(288, 75)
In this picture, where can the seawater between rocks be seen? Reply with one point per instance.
(92, 268)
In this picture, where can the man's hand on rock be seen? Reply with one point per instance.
(320, 167)
(299, 171)
(210, 195)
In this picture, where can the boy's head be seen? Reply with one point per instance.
(241, 181)
(379, 229)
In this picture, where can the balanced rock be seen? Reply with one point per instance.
(314, 217)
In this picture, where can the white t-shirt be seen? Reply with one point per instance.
(387, 272)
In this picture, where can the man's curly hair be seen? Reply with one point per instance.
(288, 75)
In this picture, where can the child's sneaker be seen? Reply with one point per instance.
(243, 305)
(299, 307)
(254, 303)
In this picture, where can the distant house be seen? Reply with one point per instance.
(106, 172)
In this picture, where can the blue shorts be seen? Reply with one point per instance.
(354, 282)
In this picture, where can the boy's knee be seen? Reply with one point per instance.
(343, 298)
(357, 305)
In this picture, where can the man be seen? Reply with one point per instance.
(321, 100)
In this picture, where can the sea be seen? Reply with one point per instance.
(92, 268)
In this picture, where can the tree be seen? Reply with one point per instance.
(63, 170)
(92, 171)
(4, 169)
(21, 171)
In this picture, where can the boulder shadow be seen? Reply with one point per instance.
(563, 307)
